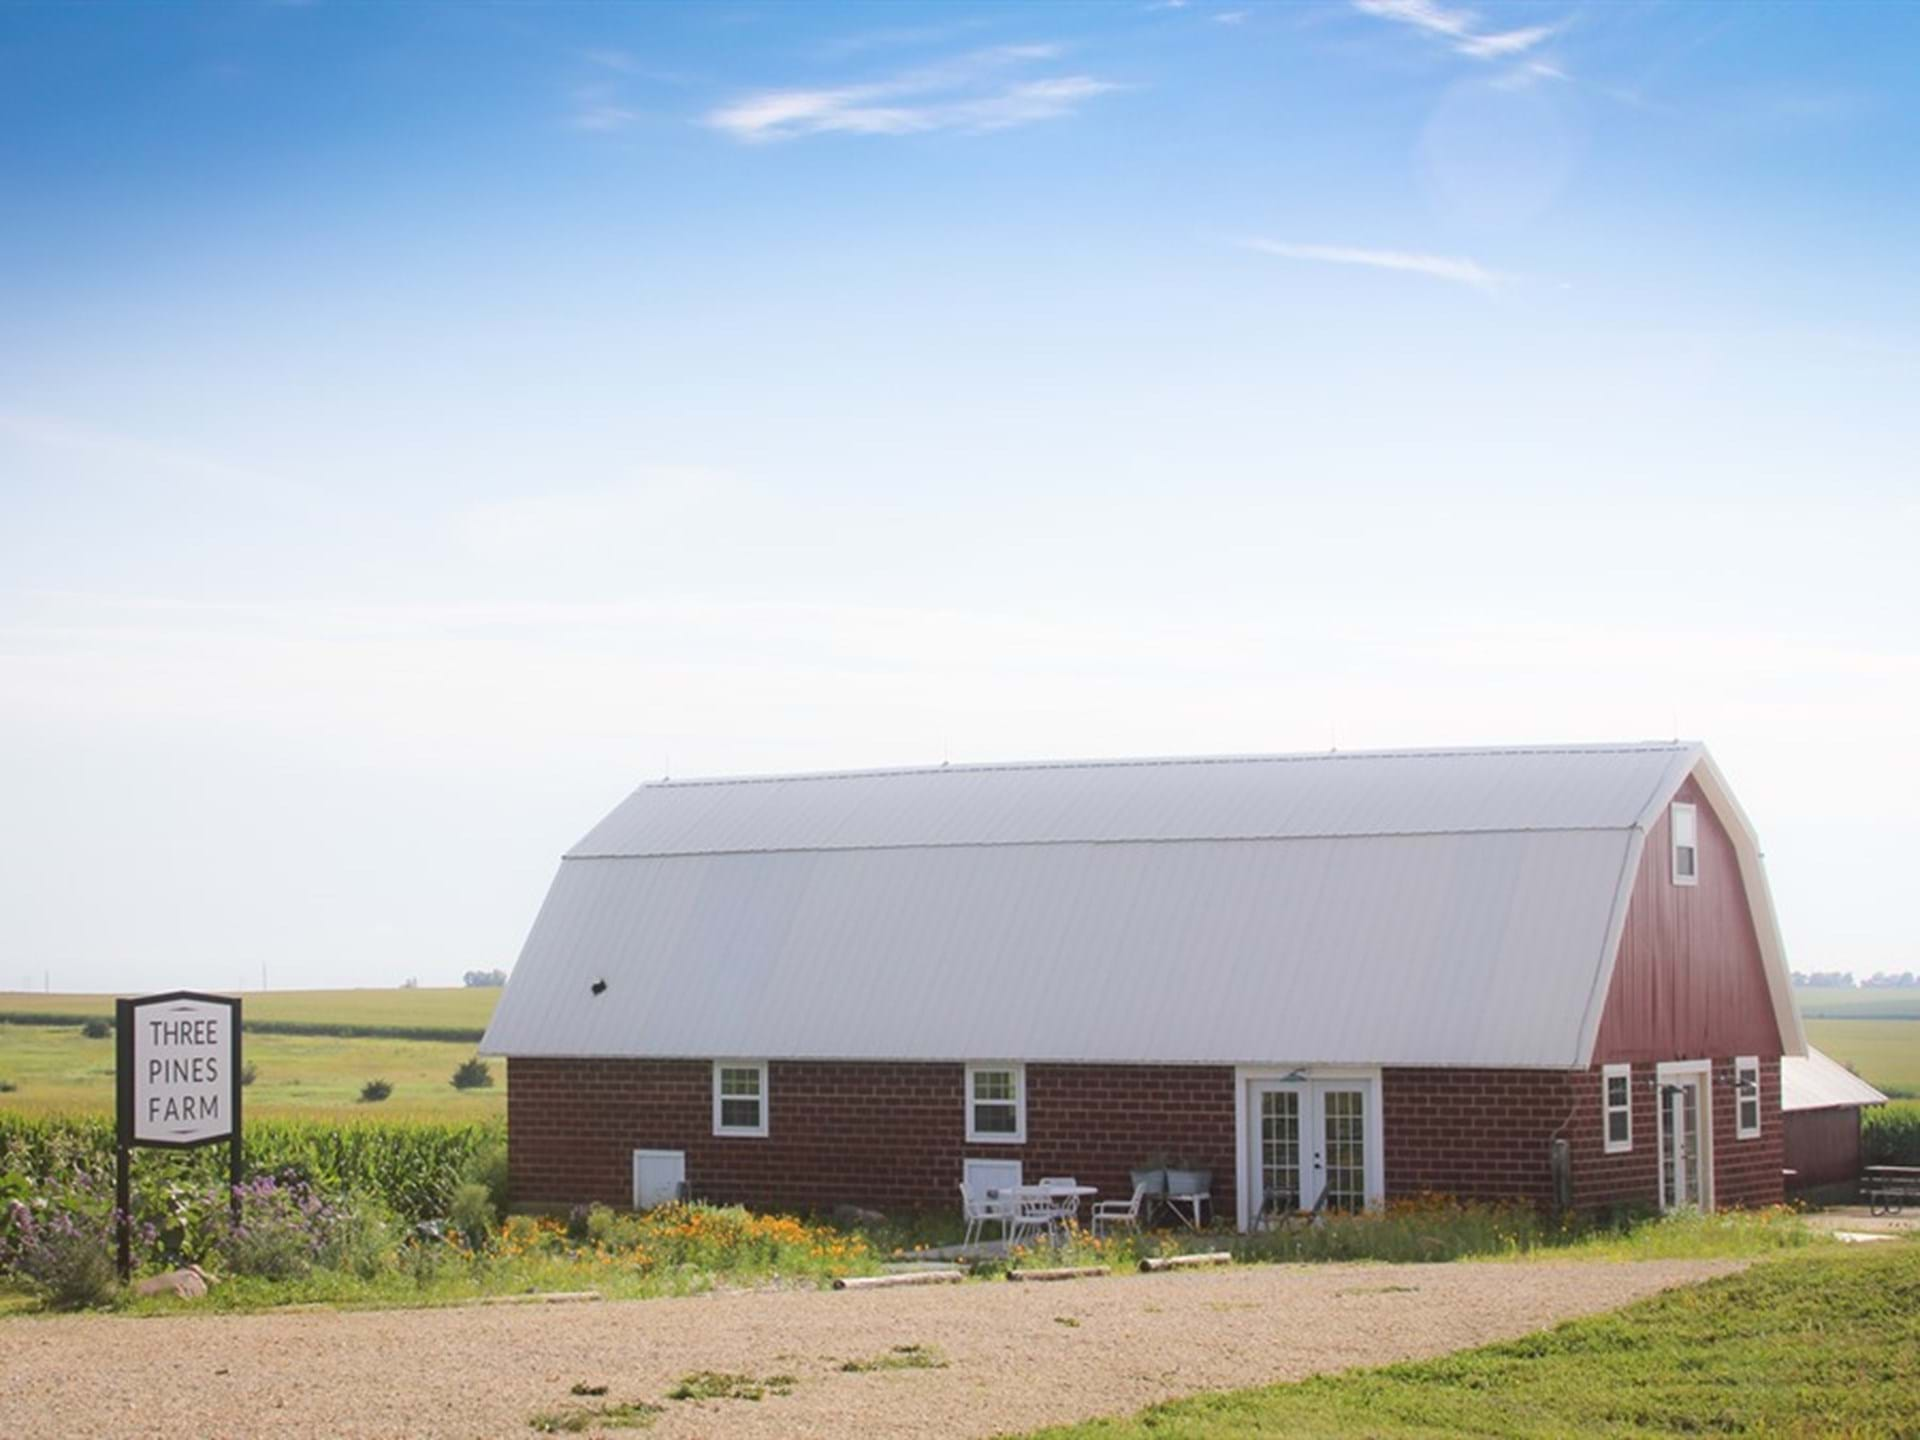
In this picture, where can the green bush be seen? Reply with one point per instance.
(67, 1255)
(1890, 1134)
(249, 1073)
(96, 1029)
(473, 1074)
(7, 1087)
(363, 1240)
(472, 1214)
(374, 1091)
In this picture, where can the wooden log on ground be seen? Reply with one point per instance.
(917, 1277)
(1065, 1272)
(1182, 1262)
(540, 1297)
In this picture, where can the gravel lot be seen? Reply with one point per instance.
(1017, 1356)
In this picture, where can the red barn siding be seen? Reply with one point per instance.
(1688, 980)
(1823, 1146)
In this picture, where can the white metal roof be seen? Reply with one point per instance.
(1817, 1081)
(1445, 907)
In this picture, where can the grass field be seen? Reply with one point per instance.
(1825, 1343)
(465, 1008)
(1885, 1052)
(56, 1068)
(1818, 1004)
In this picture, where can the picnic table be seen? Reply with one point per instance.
(1890, 1188)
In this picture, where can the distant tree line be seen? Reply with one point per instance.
(1841, 980)
(475, 978)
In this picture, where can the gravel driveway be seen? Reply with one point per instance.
(1017, 1356)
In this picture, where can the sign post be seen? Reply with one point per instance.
(178, 1073)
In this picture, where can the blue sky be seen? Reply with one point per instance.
(418, 424)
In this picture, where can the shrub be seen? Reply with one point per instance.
(472, 1215)
(249, 1073)
(97, 1029)
(283, 1228)
(374, 1091)
(473, 1074)
(361, 1240)
(7, 1087)
(65, 1254)
(488, 1167)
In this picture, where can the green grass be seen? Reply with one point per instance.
(1827, 1343)
(58, 1070)
(1885, 1053)
(1817, 1004)
(454, 1014)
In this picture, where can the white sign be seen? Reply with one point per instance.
(183, 1081)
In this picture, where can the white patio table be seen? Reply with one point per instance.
(1058, 1195)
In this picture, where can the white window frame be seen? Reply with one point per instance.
(1692, 812)
(747, 1131)
(995, 1137)
(1609, 1074)
(1743, 1066)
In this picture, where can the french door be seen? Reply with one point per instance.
(1310, 1144)
(1685, 1139)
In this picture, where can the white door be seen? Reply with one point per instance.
(1310, 1139)
(1683, 1143)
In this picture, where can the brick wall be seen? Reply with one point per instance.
(886, 1135)
(892, 1136)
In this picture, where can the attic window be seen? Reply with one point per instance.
(1686, 845)
(740, 1097)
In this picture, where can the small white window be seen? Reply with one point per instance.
(1746, 1096)
(1616, 1083)
(740, 1097)
(1686, 845)
(997, 1104)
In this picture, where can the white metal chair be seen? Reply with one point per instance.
(1034, 1213)
(1066, 1206)
(1121, 1214)
(980, 1213)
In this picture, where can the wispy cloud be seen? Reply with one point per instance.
(1232, 17)
(1455, 269)
(1461, 29)
(971, 93)
(595, 107)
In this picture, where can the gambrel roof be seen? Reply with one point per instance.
(1405, 907)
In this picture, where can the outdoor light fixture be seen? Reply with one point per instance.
(599, 987)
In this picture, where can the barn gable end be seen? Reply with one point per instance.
(1689, 977)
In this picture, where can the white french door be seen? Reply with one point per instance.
(1685, 1137)
(1311, 1141)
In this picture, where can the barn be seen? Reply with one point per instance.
(1820, 1102)
(1549, 974)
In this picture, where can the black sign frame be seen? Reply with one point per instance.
(124, 1011)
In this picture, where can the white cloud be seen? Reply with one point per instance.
(967, 94)
(1231, 17)
(1461, 28)
(1456, 269)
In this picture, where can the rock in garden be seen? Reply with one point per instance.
(189, 1284)
(854, 1215)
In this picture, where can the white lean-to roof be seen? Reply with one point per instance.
(1446, 907)
(1817, 1081)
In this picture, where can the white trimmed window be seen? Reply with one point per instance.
(740, 1097)
(997, 1104)
(1746, 1097)
(1686, 845)
(1616, 1094)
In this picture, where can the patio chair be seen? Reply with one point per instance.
(981, 1213)
(1034, 1213)
(1122, 1214)
(1067, 1205)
